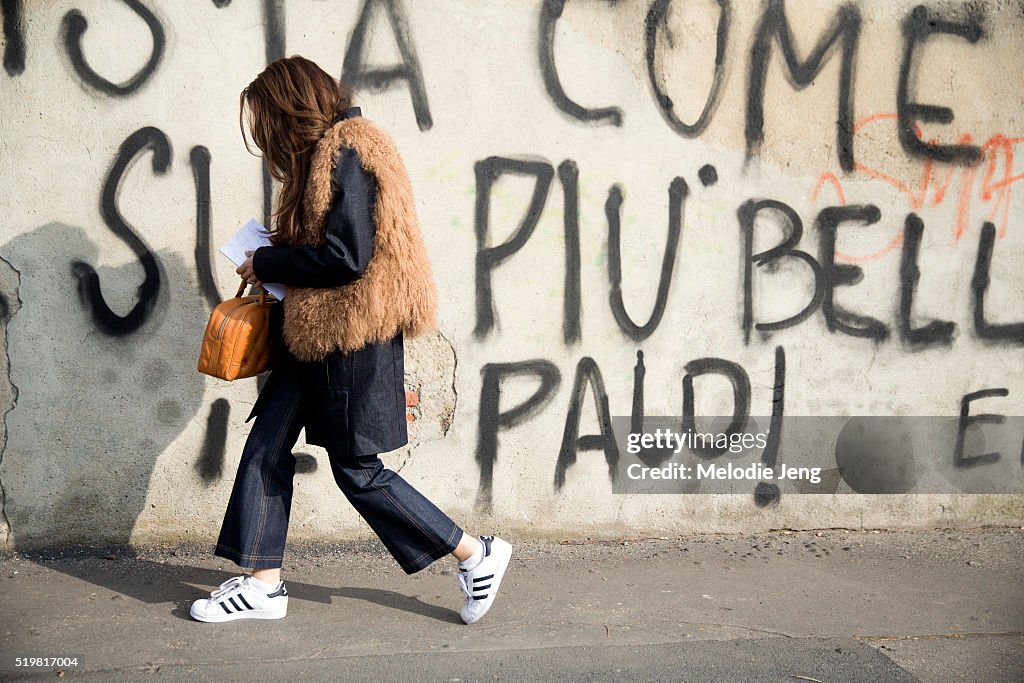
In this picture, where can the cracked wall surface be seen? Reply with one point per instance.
(11, 304)
(632, 209)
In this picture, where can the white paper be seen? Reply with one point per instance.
(251, 237)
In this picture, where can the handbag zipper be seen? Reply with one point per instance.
(220, 349)
(227, 316)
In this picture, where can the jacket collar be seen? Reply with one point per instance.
(347, 114)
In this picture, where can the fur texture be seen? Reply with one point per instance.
(396, 292)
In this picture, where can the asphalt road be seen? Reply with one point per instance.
(783, 606)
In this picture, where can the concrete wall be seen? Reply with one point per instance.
(124, 169)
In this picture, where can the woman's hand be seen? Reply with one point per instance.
(246, 271)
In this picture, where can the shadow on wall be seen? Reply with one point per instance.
(94, 410)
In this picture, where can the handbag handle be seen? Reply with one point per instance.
(241, 289)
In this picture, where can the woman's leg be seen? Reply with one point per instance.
(256, 521)
(268, 576)
(416, 532)
(466, 548)
(411, 527)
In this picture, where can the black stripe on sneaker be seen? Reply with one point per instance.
(221, 603)
(480, 588)
(480, 597)
(235, 604)
(244, 602)
(484, 578)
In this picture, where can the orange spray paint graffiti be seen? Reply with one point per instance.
(995, 167)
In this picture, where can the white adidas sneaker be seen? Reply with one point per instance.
(237, 598)
(480, 584)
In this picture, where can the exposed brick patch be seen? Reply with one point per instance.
(412, 400)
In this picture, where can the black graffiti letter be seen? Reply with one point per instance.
(1009, 332)
(550, 13)
(88, 280)
(966, 420)
(844, 274)
(273, 29)
(657, 19)
(74, 27)
(274, 47)
(652, 457)
(767, 494)
(492, 420)
(846, 26)
(916, 29)
(747, 214)
(569, 175)
(587, 372)
(935, 331)
(356, 74)
(199, 158)
(14, 38)
(488, 258)
(636, 423)
(677, 193)
(737, 376)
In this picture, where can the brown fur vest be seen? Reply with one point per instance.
(396, 292)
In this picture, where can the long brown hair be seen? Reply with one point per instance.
(291, 104)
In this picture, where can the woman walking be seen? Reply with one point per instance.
(346, 242)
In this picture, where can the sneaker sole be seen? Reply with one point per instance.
(503, 566)
(251, 614)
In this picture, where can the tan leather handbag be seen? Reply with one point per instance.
(237, 342)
